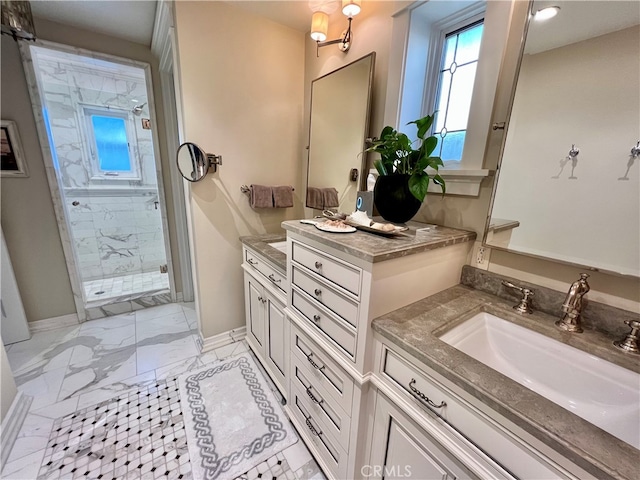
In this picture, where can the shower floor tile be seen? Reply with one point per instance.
(132, 284)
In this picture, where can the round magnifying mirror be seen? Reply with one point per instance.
(193, 162)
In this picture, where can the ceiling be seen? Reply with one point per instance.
(579, 21)
(130, 20)
(134, 20)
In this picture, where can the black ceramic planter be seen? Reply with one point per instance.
(394, 201)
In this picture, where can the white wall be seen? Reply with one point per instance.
(242, 81)
(593, 218)
(8, 390)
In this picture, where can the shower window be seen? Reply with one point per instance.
(111, 144)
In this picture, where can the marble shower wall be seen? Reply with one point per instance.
(116, 226)
(116, 236)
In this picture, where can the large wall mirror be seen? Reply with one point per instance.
(340, 105)
(568, 186)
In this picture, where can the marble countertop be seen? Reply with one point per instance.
(376, 248)
(416, 327)
(260, 244)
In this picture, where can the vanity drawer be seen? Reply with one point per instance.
(323, 370)
(330, 298)
(313, 429)
(340, 273)
(337, 330)
(320, 404)
(259, 264)
(488, 435)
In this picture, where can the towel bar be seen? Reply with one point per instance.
(246, 189)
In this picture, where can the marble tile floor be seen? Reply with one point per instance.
(132, 284)
(70, 369)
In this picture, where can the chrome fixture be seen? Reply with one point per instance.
(17, 20)
(573, 153)
(523, 306)
(194, 163)
(320, 26)
(137, 110)
(635, 151)
(630, 343)
(572, 306)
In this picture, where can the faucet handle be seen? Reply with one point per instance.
(630, 342)
(523, 306)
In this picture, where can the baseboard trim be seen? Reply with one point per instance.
(222, 339)
(12, 424)
(54, 322)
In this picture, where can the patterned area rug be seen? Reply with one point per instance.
(233, 420)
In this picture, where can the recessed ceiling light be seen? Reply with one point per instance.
(546, 13)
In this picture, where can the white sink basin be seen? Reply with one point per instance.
(598, 391)
(282, 246)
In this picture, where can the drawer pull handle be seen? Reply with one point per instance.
(252, 261)
(318, 265)
(273, 279)
(313, 397)
(312, 428)
(316, 318)
(314, 364)
(263, 300)
(423, 397)
(318, 292)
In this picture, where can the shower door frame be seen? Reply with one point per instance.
(54, 181)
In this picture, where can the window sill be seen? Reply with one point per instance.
(461, 181)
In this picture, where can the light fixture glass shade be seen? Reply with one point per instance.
(17, 19)
(351, 8)
(319, 26)
(546, 13)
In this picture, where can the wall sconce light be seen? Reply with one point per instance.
(320, 26)
(17, 20)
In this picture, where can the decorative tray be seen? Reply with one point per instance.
(391, 233)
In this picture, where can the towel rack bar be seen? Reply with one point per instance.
(247, 189)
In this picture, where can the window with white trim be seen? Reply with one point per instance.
(110, 143)
(422, 33)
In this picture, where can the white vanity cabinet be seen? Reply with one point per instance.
(401, 448)
(267, 327)
(334, 292)
(432, 422)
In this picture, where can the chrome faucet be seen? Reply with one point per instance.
(630, 343)
(523, 306)
(572, 306)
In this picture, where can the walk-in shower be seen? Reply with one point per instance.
(98, 125)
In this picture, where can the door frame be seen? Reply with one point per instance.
(53, 176)
(163, 47)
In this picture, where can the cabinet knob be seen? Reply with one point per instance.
(318, 265)
(316, 318)
(317, 291)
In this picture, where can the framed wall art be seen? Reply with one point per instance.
(12, 162)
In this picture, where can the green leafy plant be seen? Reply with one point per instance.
(398, 157)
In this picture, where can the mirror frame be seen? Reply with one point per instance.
(361, 182)
(514, 84)
(209, 160)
